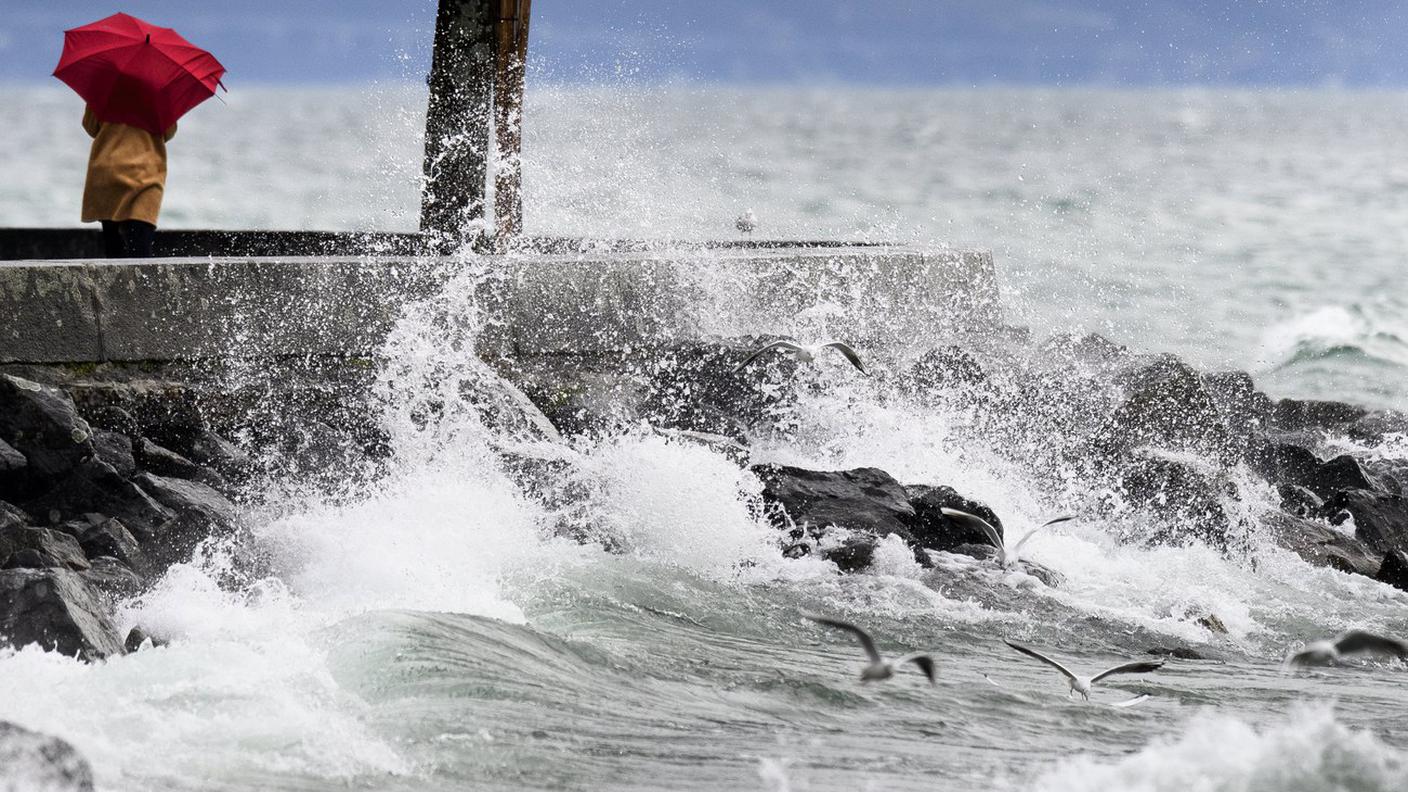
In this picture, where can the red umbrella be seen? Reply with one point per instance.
(133, 72)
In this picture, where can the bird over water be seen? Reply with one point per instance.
(879, 668)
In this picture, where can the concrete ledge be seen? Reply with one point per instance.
(186, 309)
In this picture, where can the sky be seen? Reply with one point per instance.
(1255, 43)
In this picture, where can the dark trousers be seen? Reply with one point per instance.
(128, 239)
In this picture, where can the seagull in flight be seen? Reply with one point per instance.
(879, 667)
(1326, 653)
(1082, 685)
(806, 354)
(746, 222)
(1005, 558)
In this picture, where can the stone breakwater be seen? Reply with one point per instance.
(110, 475)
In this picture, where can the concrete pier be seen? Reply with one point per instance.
(87, 311)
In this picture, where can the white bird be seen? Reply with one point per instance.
(806, 354)
(1324, 653)
(1005, 558)
(879, 667)
(746, 222)
(1082, 685)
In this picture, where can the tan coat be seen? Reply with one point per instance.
(126, 172)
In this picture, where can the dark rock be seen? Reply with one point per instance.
(1296, 414)
(41, 423)
(1394, 570)
(1245, 410)
(35, 762)
(95, 486)
(1341, 473)
(1391, 475)
(11, 515)
(864, 499)
(854, 554)
(1184, 503)
(1091, 349)
(1322, 545)
(737, 452)
(111, 538)
(695, 387)
(29, 558)
(137, 636)
(56, 609)
(1380, 520)
(933, 530)
(1167, 407)
(1285, 463)
(1299, 500)
(112, 578)
(1371, 428)
(1179, 652)
(12, 462)
(155, 459)
(1212, 624)
(945, 369)
(986, 552)
(199, 511)
(116, 450)
(112, 419)
(49, 548)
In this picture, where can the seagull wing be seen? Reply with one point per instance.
(1032, 532)
(788, 345)
(1137, 667)
(1043, 658)
(1356, 641)
(977, 522)
(850, 354)
(1131, 702)
(861, 635)
(925, 663)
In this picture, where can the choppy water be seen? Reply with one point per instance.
(422, 633)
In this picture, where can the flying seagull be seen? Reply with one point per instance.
(879, 667)
(1005, 558)
(806, 354)
(1082, 685)
(746, 222)
(1324, 653)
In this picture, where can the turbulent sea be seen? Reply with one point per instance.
(419, 631)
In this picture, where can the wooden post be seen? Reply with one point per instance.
(510, 59)
(457, 123)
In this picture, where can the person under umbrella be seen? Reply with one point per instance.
(136, 79)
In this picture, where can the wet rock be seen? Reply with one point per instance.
(116, 450)
(1394, 570)
(948, 369)
(58, 610)
(1182, 501)
(1091, 349)
(1322, 545)
(1380, 519)
(986, 552)
(854, 554)
(11, 515)
(33, 762)
(934, 531)
(1285, 463)
(12, 462)
(1373, 427)
(199, 511)
(1245, 411)
(45, 548)
(136, 637)
(95, 486)
(1212, 624)
(163, 462)
(1341, 473)
(737, 452)
(112, 578)
(864, 499)
(1297, 414)
(1299, 500)
(695, 387)
(1178, 652)
(102, 536)
(41, 423)
(1167, 407)
(112, 419)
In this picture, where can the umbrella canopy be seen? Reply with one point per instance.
(133, 72)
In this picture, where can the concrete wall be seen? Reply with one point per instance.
(179, 309)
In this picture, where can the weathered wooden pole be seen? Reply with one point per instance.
(510, 59)
(457, 122)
